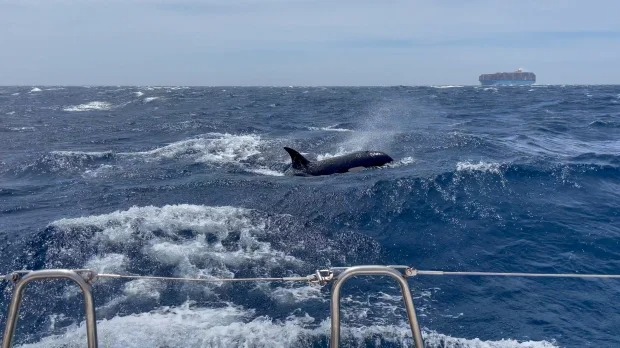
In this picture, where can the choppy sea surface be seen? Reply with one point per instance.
(189, 182)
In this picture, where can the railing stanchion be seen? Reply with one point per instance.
(18, 292)
(334, 341)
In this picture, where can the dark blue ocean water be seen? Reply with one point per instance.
(189, 182)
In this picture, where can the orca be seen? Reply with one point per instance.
(341, 164)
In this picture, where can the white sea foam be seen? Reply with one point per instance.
(437, 340)
(405, 161)
(150, 99)
(159, 232)
(36, 89)
(212, 147)
(187, 326)
(94, 105)
(448, 86)
(73, 160)
(296, 294)
(234, 326)
(330, 129)
(112, 262)
(82, 153)
(22, 129)
(11, 113)
(201, 254)
(491, 167)
(101, 171)
(139, 94)
(143, 289)
(266, 171)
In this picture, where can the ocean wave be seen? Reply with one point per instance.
(68, 161)
(330, 129)
(201, 253)
(448, 86)
(266, 171)
(94, 105)
(35, 89)
(561, 146)
(239, 152)
(21, 129)
(210, 148)
(150, 99)
(104, 170)
(489, 167)
(604, 123)
(189, 325)
(405, 161)
(183, 241)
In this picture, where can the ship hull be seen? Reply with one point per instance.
(506, 83)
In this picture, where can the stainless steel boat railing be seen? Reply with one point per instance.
(339, 275)
(85, 279)
(81, 277)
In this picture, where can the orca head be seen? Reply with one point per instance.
(298, 161)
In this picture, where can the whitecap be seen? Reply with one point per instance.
(112, 262)
(330, 129)
(94, 105)
(157, 230)
(22, 129)
(210, 148)
(234, 326)
(266, 171)
(489, 167)
(405, 161)
(36, 89)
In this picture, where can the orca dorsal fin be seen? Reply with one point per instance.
(298, 161)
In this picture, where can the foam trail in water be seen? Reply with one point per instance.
(233, 326)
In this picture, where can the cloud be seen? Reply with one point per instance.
(305, 42)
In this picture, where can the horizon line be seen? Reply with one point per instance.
(305, 86)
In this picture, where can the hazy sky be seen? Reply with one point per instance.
(305, 42)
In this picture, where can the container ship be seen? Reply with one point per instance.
(517, 78)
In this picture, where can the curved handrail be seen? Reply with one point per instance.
(18, 292)
(372, 271)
